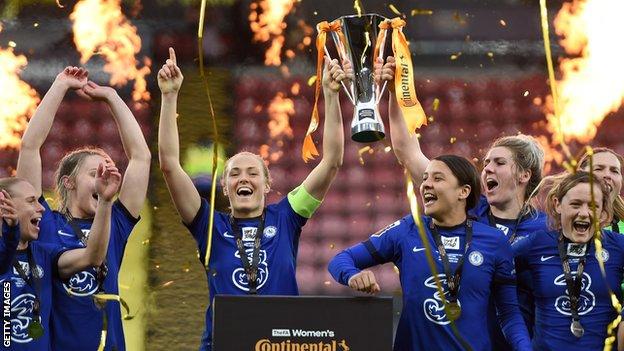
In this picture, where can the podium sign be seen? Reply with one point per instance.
(302, 323)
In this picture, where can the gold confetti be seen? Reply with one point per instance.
(312, 80)
(388, 148)
(436, 104)
(490, 54)
(12, 44)
(186, 270)
(394, 9)
(327, 282)
(36, 25)
(315, 13)
(157, 266)
(453, 140)
(416, 12)
(357, 5)
(526, 93)
(430, 119)
(456, 56)
(167, 284)
(503, 23)
(58, 3)
(155, 208)
(332, 246)
(368, 204)
(145, 242)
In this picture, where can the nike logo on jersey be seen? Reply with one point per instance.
(546, 258)
(228, 235)
(60, 232)
(416, 249)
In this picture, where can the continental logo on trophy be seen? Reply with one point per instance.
(358, 41)
(288, 345)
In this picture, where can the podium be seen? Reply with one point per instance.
(301, 323)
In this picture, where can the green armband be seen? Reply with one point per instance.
(302, 202)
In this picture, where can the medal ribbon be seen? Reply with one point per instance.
(251, 268)
(573, 283)
(452, 279)
(34, 281)
(309, 151)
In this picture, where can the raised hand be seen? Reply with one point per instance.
(333, 74)
(365, 282)
(107, 181)
(93, 91)
(385, 72)
(169, 76)
(73, 77)
(7, 209)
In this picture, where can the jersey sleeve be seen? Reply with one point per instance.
(122, 223)
(8, 245)
(521, 249)
(380, 248)
(506, 298)
(53, 252)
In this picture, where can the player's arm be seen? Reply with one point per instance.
(506, 299)
(29, 161)
(349, 266)
(181, 188)
(10, 231)
(108, 180)
(134, 186)
(318, 181)
(405, 145)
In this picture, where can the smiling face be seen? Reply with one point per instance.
(82, 194)
(245, 185)
(441, 192)
(28, 208)
(577, 219)
(501, 182)
(608, 168)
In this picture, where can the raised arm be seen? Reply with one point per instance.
(29, 161)
(107, 184)
(405, 145)
(134, 185)
(318, 181)
(183, 192)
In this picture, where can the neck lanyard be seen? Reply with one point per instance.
(35, 329)
(251, 268)
(100, 271)
(573, 284)
(452, 278)
(492, 223)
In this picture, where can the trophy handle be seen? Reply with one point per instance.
(343, 85)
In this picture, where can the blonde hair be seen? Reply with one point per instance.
(562, 184)
(528, 155)
(68, 167)
(618, 202)
(265, 169)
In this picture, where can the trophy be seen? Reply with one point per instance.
(359, 40)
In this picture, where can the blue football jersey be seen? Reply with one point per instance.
(76, 319)
(22, 294)
(532, 222)
(488, 270)
(538, 254)
(278, 254)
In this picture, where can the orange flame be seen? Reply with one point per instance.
(280, 109)
(266, 20)
(101, 28)
(586, 91)
(18, 99)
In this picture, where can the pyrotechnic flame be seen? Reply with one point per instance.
(266, 20)
(280, 109)
(18, 99)
(587, 92)
(101, 28)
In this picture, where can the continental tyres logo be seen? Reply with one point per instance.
(287, 345)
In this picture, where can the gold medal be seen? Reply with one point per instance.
(35, 329)
(453, 311)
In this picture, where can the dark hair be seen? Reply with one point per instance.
(466, 174)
